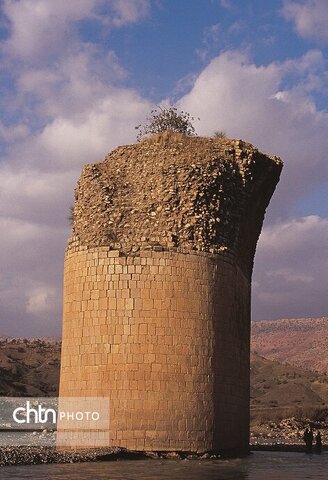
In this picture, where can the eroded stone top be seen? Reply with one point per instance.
(174, 191)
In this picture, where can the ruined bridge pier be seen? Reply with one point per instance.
(157, 289)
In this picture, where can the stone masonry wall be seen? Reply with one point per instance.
(161, 335)
(157, 289)
(173, 191)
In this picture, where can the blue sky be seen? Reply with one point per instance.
(77, 76)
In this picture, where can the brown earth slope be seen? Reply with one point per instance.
(29, 367)
(301, 342)
(282, 390)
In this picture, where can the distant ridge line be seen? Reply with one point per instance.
(302, 342)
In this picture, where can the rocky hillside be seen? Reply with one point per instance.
(301, 342)
(29, 367)
(281, 390)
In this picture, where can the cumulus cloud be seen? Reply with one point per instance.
(291, 267)
(211, 38)
(129, 11)
(41, 29)
(27, 194)
(12, 133)
(310, 18)
(41, 300)
(250, 102)
(74, 112)
(77, 81)
(29, 258)
(73, 109)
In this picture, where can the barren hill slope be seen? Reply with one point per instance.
(29, 367)
(280, 391)
(302, 342)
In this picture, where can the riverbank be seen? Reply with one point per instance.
(31, 455)
(27, 455)
(259, 465)
(286, 435)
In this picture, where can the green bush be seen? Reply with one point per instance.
(162, 119)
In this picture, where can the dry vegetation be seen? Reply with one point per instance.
(280, 391)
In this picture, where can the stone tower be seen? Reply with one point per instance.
(157, 289)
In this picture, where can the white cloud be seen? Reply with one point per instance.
(252, 102)
(37, 184)
(291, 264)
(288, 275)
(75, 114)
(78, 80)
(217, 93)
(29, 194)
(12, 133)
(225, 4)
(72, 111)
(42, 28)
(129, 11)
(68, 141)
(247, 101)
(41, 300)
(39, 27)
(29, 259)
(211, 38)
(107, 123)
(310, 17)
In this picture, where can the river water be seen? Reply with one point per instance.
(258, 466)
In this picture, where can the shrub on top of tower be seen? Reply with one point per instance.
(162, 119)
